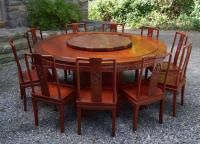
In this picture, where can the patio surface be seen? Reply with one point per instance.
(17, 126)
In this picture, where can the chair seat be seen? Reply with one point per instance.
(171, 66)
(65, 90)
(171, 79)
(131, 92)
(107, 96)
(26, 78)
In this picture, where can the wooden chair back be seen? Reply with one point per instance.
(180, 39)
(44, 65)
(150, 31)
(113, 27)
(156, 63)
(75, 27)
(32, 37)
(96, 66)
(11, 42)
(185, 56)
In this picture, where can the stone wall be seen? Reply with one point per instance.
(16, 11)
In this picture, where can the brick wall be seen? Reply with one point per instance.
(16, 11)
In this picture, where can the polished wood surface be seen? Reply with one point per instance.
(142, 46)
(100, 42)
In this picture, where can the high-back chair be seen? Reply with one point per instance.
(112, 27)
(146, 91)
(180, 39)
(52, 92)
(75, 27)
(150, 31)
(23, 77)
(33, 35)
(96, 97)
(176, 77)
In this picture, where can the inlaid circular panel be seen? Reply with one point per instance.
(100, 42)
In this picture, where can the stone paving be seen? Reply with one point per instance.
(17, 126)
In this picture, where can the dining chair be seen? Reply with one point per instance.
(75, 27)
(146, 91)
(112, 27)
(150, 31)
(96, 97)
(24, 81)
(180, 39)
(51, 92)
(33, 35)
(176, 77)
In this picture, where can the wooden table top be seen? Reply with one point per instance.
(141, 46)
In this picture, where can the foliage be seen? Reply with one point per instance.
(167, 14)
(52, 14)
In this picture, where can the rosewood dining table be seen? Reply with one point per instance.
(127, 49)
(123, 47)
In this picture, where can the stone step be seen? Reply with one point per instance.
(17, 33)
(20, 44)
(5, 58)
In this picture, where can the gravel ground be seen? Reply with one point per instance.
(17, 126)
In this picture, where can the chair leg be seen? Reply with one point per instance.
(65, 74)
(23, 95)
(182, 95)
(118, 107)
(174, 103)
(35, 110)
(161, 111)
(146, 73)
(136, 74)
(79, 120)
(113, 121)
(135, 117)
(21, 92)
(61, 109)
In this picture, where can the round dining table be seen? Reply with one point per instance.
(122, 47)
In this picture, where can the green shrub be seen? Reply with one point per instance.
(52, 14)
(166, 14)
(102, 10)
